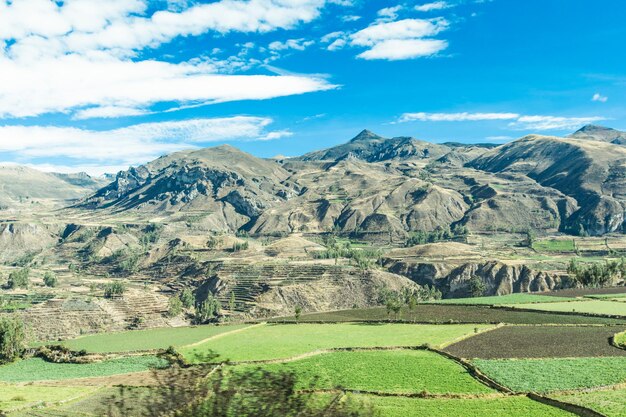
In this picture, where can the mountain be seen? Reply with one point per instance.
(83, 180)
(223, 185)
(21, 186)
(370, 147)
(600, 133)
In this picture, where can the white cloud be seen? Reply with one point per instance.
(403, 39)
(389, 13)
(130, 145)
(599, 97)
(350, 18)
(437, 5)
(552, 122)
(455, 117)
(297, 44)
(517, 121)
(81, 56)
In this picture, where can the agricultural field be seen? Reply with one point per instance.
(151, 339)
(555, 342)
(555, 374)
(450, 313)
(585, 292)
(609, 402)
(24, 396)
(391, 371)
(36, 369)
(600, 307)
(517, 298)
(554, 245)
(283, 341)
(517, 406)
(607, 296)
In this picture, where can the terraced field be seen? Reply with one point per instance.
(560, 374)
(138, 340)
(600, 307)
(611, 403)
(283, 341)
(392, 371)
(436, 313)
(539, 342)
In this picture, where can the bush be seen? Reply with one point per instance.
(114, 289)
(19, 279)
(175, 307)
(49, 279)
(477, 287)
(421, 237)
(239, 246)
(12, 338)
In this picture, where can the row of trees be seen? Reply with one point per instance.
(21, 279)
(421, 237)
(598, 274)
(203, 311)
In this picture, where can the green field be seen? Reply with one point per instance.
(394, 371)
(478, 407)
(160, 338)
(284, 341)
(517, 298)
(554, 245)
(545, 375)
(39, 370)
(611, 403)
(607, 296)
(22, 396)
(613, 308)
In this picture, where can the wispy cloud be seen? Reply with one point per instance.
(516, 121)
(130, 145)
(599, 97)
(437, 5)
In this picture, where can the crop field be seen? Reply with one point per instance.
(558, 374)
(582, 292)
(39, 370)
(395, 371)
(613, 308)
(138, 340)
(607, 296)
(555, 342)
(444, 313)
(284, 341)
(22, 396)
(517, 298)
(611, 403)
(517, 406)
(554, 245)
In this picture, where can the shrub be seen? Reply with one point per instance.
(239, 246)
(49, 279)
(12, 338)
(175, 307)
(114, 289)
(19, 279)
(476, 287)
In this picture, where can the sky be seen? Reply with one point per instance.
(98, 86)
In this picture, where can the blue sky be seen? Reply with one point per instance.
(97, 86)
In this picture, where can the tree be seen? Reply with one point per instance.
(207, 310)
(231, 302)
(477, 287)
(297, 311)
(394, 306)
(175, 307)
(12, 338)
(187, 298)
(50, 279)
(19, 279)
(529, 240)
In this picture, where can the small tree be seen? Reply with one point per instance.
(231, 302)
(477, 287)
(297, 312)
(187, 298)
(12, 338)
(114, 289)
(50, 279)
(175, 307)
(529, 240)
(207, 310)
(19, 279)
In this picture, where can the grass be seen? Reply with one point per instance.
(554, 245)
(393, 371)
(501, 407)
(545, 375)
(539, 342)
(15, 396)
(283, 341)
(442, 313)
(160, 338)
(39, 370)
(517, 298)
(613, 308)
(611, 403)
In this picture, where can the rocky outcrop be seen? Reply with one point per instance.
(498, 278)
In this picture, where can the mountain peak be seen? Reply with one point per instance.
(366, 135)
(591, 128)
(600, 133)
